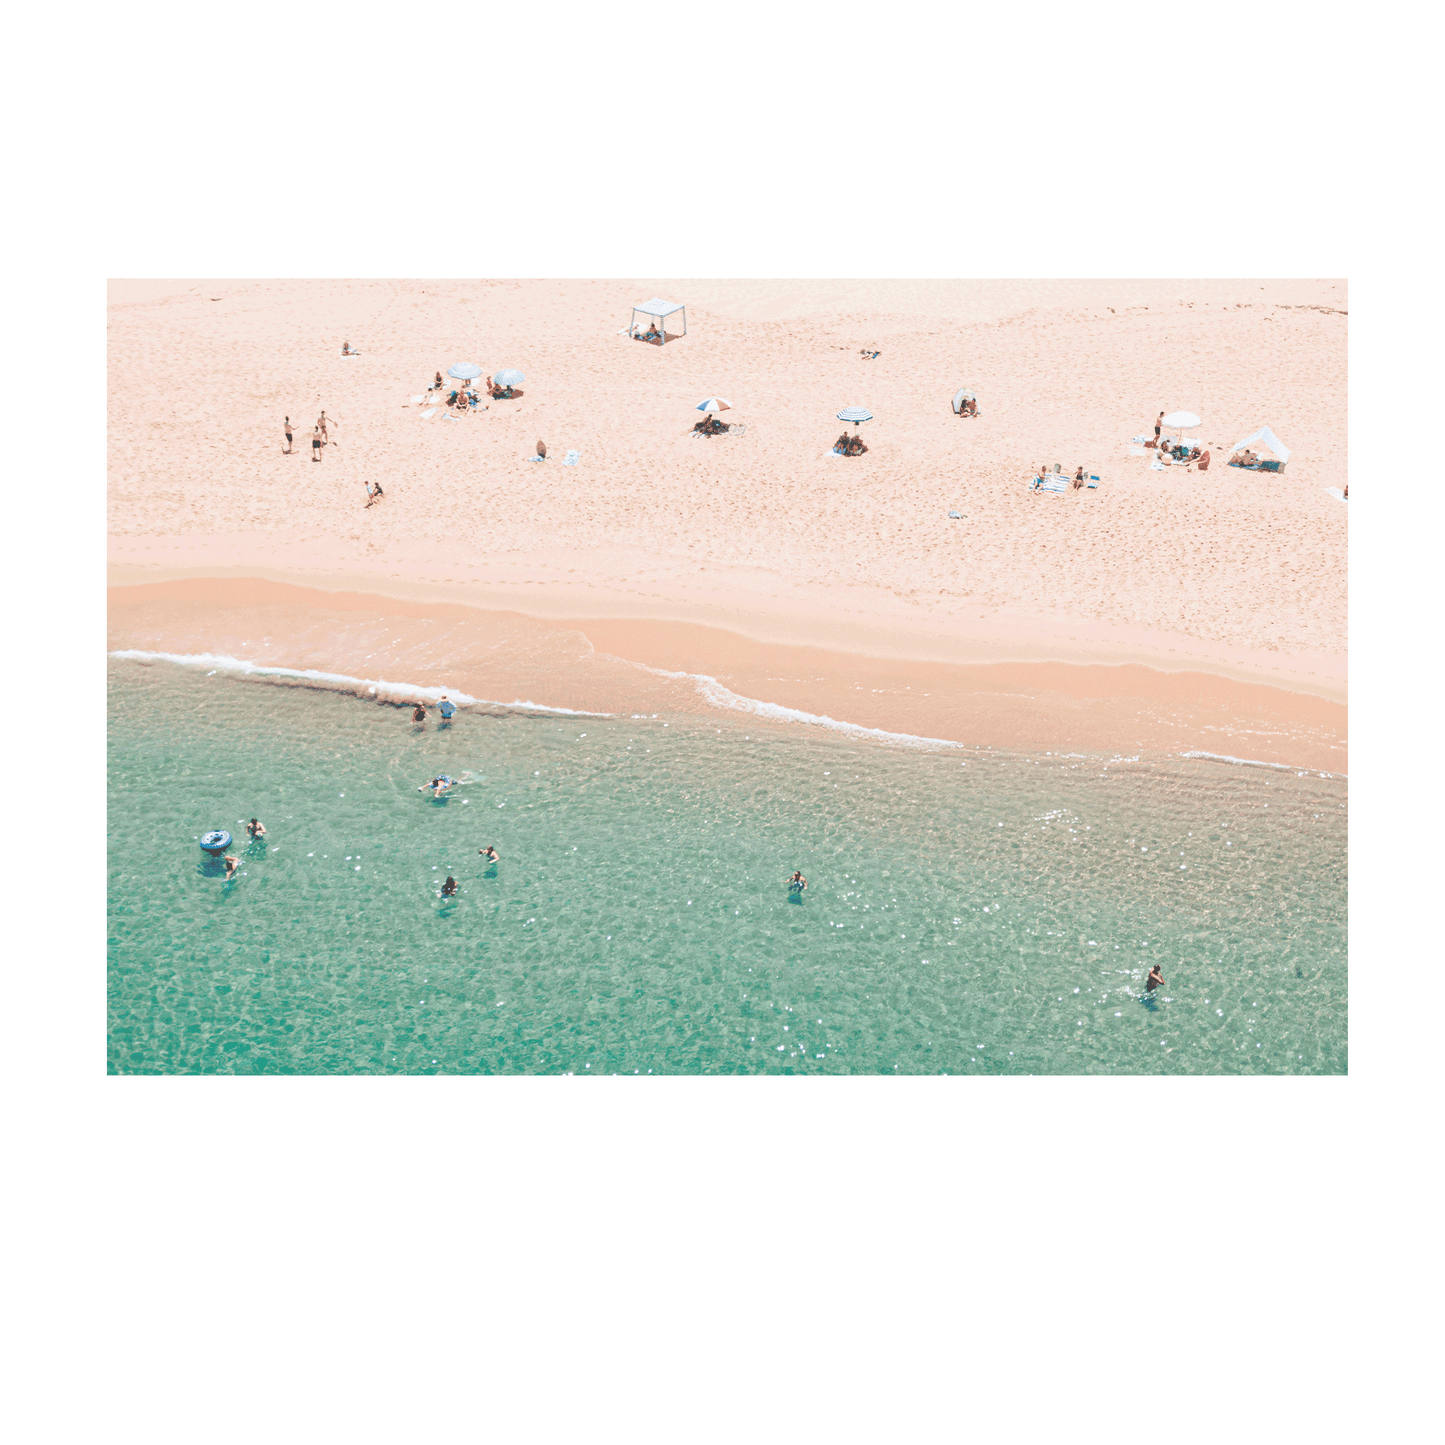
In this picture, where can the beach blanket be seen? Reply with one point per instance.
(536, 459)
(571, 459)
(1140, 440)
(1338, 495)
(1052, 482)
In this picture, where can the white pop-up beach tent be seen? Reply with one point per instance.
(659, 309)
(1269, 439)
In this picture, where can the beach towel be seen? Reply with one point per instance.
(432, 412)
(571, 459)
(831, 453)
(955, 516)
(1051, 483)
(1338, 495)
(536, 459)
(1156, 465)
(1140, 440)
(417, 400)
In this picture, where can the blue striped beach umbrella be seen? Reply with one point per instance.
(855, 414)
(715, 403)
(464, 370)
(510, 377)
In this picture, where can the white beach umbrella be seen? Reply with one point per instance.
(510, 377)
(715, 403)
(464, 370)
(1181, 419)
(855, 414)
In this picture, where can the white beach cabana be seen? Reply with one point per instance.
(1269, 439)
(659, 310)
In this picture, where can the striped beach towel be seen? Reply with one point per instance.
(1053, 482)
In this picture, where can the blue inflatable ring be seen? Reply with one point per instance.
(216, 842)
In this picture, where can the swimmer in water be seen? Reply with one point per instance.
(232, 864)
(420, 714)
(449, 887)
(440, 786)
(489, 853)
(797, 883)
(256, 828)
(1154, 980)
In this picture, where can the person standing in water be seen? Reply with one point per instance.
(1154, 980)
(797, 883)
(489, 853)
(449, 888)
(446, 707)
(419, 715)
(256, 828)
(232, 863)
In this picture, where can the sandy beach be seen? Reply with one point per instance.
(1171, 609)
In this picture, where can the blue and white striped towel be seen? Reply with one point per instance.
(571, 459)
(1053, 482)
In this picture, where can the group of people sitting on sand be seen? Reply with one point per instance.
(652, 334)
(849, 446)
(1179, 453)
(710, 426)
(968, 407)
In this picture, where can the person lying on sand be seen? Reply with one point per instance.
(347, 351)
(1204, 461)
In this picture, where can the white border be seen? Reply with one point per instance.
(85, 1097)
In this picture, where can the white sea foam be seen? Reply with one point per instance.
(218, 662)
(719, 696)
(1255, 763)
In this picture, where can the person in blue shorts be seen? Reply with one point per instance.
(446, 707)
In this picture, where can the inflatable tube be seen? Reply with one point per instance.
(216, 842)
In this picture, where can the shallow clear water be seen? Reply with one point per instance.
(967, 911)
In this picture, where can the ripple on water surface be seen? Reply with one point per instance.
(968, 911)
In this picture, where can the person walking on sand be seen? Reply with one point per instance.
(322, 425)
(287, 430)
(316, 444)
(1154, 980)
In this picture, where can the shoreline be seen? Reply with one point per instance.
(615, 664)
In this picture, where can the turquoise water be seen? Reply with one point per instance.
(968, 911)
